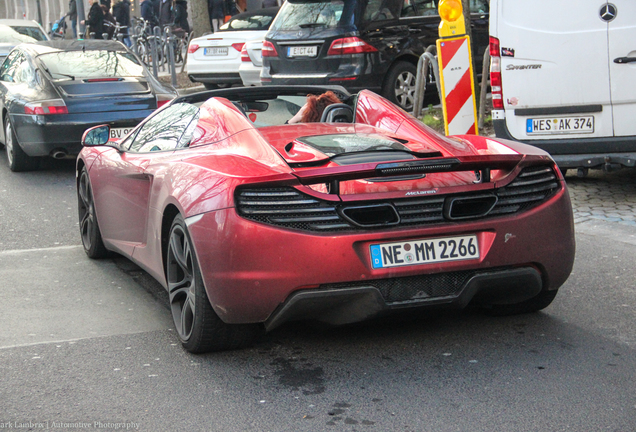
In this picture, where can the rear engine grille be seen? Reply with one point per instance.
(414, 288)
(286, 207)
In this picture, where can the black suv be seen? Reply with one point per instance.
(359, 44)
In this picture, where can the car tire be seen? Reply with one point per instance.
(199, 328)
(17, 158)
(535, 304)
(210, 86)
(89, 228)
(399, 85)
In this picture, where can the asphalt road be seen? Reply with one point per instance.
(89, 345)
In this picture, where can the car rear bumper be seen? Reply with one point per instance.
(596, 152)
(42, 135)
(257, 277)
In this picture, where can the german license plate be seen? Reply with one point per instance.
(427, 251)
(560, 125)
(119, 133)
(302, 51)
(215, 51)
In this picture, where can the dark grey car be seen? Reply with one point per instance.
(51, 92)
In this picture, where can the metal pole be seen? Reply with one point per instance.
(153, 42)
(171, 65)
(81, 16)
(39, 12)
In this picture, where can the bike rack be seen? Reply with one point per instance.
(420, 81)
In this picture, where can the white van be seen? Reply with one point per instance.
(563, 78)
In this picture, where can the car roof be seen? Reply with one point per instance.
(44, 47)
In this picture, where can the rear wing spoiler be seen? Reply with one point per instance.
(482, 164)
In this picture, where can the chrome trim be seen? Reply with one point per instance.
(303, 42)
(281, 76)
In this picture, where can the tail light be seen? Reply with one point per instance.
(238, 46)
(245, 57)
(269, 50)
(162, 100)
(192, 48)
(495, 74)
(350, 45)
(53, 106)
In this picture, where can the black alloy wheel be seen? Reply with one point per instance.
(17, 158)
(89, 228)
(199, 328)
(399, 86)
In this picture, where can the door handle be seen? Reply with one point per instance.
(622, 60)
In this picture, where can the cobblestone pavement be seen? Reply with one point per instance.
(604, 196)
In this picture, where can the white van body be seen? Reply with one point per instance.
(568, 78)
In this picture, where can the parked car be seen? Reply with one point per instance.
(10, 37)
(359, 44)
(251, 63)
(249, 222)
(566, 85)
(50, 92)
(214, 59)
(26, 27)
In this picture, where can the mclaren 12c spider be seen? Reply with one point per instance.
(250, 222)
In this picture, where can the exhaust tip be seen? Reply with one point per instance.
(59, 154)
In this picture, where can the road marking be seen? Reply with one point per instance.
(48, 249)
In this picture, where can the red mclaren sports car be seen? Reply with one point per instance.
(250, 222)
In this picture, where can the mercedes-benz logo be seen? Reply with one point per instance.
(608, 12)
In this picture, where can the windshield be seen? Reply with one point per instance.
(332, 145)
(88, 64)
(33, 32)
(254, 22)
(8, 35)
(322, 14)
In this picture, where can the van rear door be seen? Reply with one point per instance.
(622, 65)
(554, 68)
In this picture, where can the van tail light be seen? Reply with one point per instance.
(162, 100)
(495, 74)
(350, 45)
(192, 48)
(47, 107)
(269, 50)
(245, 57)
(238, 46)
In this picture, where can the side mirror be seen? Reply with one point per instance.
(96, 136)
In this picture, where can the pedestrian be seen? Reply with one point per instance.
(95, 20)
(148, 13)
(181, 15)
(72, 16)
(165, 13)
(121, 12)
(216, 8)
(109, 22)
(105, 3)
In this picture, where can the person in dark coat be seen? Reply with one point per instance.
(181, 15)
(95, 21)
(109, 22)
(165, 14)
(72, 16)
(148, 12)
(121, 12)
(216, 8)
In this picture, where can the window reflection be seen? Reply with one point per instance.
(92, 64)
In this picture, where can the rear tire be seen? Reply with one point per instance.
(18, 159)
(210, 86)
(199, 328)
(399, 85)
(535, 304)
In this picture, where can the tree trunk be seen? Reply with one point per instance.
(198, 11)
